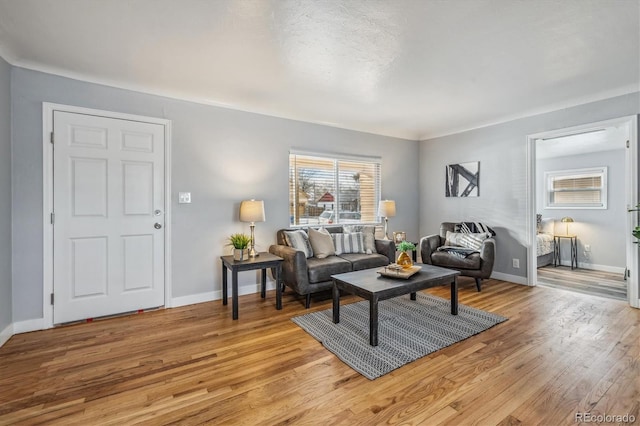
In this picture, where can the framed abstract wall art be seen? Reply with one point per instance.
(462, 180)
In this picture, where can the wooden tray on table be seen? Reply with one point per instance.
(395, 271)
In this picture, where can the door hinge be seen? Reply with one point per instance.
(53, 218)
(52, 298)
(51, 138)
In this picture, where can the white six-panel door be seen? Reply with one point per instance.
(108, 238)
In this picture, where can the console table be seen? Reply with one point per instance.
(263, 262)
(573, 239)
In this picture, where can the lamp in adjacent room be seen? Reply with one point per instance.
(567, 220)
(386, 209)
(252, 211)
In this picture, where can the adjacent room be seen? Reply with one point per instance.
(319, 212)
(581, 202)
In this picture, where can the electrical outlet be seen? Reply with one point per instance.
(516, 263)
(587, 247)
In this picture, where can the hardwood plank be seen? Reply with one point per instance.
(559, 353)
(586, 281)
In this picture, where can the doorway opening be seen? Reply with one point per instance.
(582, 181)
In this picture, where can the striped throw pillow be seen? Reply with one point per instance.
(348, 243)
(368, 235)
(468, 240)
(300, 241)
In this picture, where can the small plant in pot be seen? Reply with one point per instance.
(404, 259)
(240, 243)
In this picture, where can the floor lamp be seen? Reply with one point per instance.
(252, 211)
(386, 209)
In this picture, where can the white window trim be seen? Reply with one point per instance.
(576, 173)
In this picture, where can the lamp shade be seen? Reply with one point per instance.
(387, 208)
(252, 211)
(567, 219)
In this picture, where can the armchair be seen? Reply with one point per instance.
(478, 264)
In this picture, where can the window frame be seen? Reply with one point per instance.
(549, 177)
(337, 158)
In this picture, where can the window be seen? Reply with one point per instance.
(576, 189)
(333, 189)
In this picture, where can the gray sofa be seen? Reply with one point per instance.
(311, 275)
(477, 265)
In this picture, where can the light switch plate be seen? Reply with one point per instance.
(184, 197)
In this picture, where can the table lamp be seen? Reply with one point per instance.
(386, 209)
(567, 220)
(252, 211)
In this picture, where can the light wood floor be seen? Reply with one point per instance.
(586, 281)
(559, 353)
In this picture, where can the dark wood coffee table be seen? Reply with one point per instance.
(369, 285)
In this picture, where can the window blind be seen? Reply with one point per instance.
(577, 188)
(326, 190)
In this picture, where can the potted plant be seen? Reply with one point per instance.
(404, 259)
(240, 243)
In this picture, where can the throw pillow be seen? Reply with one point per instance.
(466, 239)
(546, 226)
(321, 243)
(348, 243)
(473, 227)
(299, 240)
(368, 235)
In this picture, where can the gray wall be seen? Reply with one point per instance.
(5, 194)
(603, 230)
(220, 155)
(502, 152)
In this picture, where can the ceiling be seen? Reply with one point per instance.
(413, 69)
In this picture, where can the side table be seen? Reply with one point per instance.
(263, 262)
(573, 239)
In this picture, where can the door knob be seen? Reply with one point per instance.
(157, 225)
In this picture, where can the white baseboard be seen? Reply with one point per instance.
(28, 325)
(6, 334)
(510, 278)
(192, 299)
(217, 295)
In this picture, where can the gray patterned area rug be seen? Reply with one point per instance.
(407, 330)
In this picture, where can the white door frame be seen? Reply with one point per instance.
(47, 173)
(631, 192)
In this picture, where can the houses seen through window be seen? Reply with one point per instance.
(333, 190)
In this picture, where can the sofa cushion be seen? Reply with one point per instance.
(368, 235)
(321, 243)
(321, 269)
(365, 261)
(299, 240)
(446, 260)
(348, 243)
